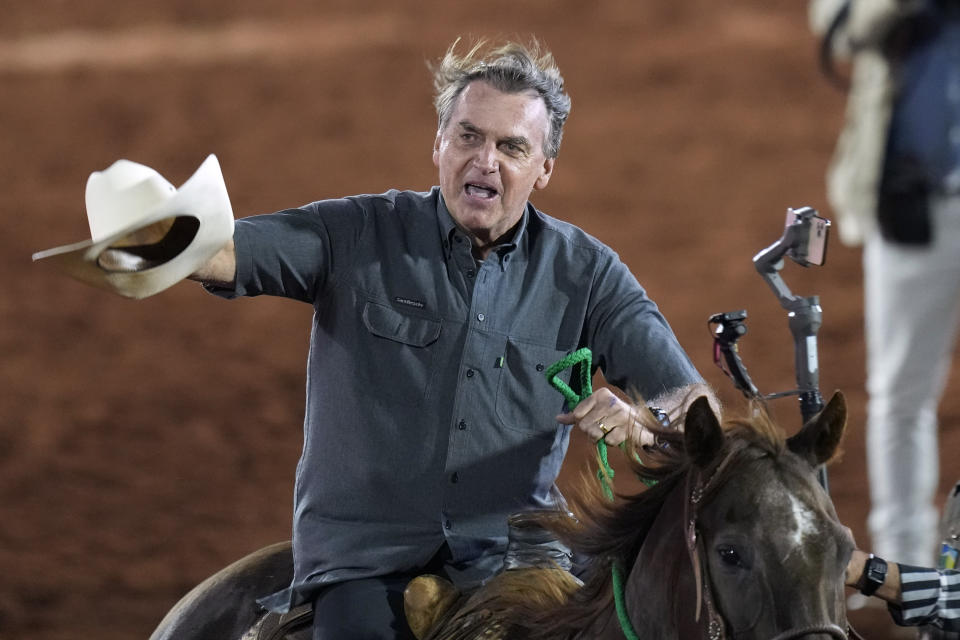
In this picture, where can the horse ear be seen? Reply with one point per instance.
(819, 439)
(702, 435)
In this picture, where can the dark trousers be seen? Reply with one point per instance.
(371, 608)
(368, 609)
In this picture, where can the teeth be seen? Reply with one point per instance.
(481, 192)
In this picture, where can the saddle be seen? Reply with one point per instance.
(433, 606)
(427, 600)
(296, 624)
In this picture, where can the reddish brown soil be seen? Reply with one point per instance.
(144, 445)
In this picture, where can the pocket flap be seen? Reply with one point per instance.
(389, 323)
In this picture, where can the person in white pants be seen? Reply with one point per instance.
(894, 184)
(912, 308)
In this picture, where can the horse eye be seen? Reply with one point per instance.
(729, 555)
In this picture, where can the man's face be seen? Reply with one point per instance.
(490, 157)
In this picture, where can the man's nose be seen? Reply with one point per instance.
(486, 159)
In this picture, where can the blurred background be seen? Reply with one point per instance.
(145, 445)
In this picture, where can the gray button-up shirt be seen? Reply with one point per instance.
(428, 415)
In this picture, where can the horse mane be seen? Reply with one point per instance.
(614, 531)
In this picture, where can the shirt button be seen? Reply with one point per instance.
(481, 317)
(469, 373)
(462, 425)
(471, 273)
(454, 477)
(447, 524)
(539, 367)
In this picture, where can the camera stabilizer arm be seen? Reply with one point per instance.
(805, 315)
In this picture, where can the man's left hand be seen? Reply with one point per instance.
(603, 415)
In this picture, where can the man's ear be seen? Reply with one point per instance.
(436, 150)
(544, 177)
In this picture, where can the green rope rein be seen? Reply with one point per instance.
(581, 360)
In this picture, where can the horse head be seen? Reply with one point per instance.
(748, 536)
(735, 540)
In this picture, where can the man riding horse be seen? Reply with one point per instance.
(428, 419)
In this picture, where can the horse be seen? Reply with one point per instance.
(224, 606)
(737, 539)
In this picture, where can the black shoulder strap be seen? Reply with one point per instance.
(826, 47)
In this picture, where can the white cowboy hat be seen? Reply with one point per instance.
(145, 235)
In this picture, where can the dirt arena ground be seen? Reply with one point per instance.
(144, 445)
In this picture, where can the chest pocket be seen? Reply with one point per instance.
(395, 358)
(526, 401)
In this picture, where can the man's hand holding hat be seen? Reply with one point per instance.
(145, 235)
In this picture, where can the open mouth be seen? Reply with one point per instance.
(480, 191)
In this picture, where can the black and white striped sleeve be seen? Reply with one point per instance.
(928, 597)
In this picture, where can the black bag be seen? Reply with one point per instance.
(903, 210)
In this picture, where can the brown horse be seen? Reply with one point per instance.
(736, 540)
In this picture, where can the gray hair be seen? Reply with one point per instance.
(510, 68)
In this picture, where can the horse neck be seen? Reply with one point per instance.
(606, 626)
(652, 582)
(661, 591)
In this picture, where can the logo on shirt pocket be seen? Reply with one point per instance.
(410, 302)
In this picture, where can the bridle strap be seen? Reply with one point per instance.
(828, 629)
(690, 536)
(716, 627)
(695, 490)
